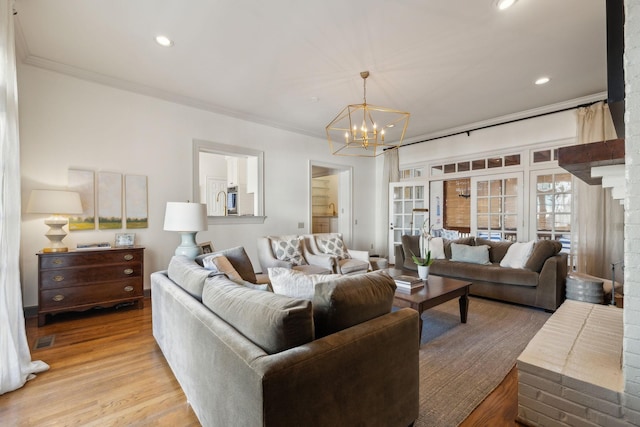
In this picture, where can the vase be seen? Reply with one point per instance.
(423, 272)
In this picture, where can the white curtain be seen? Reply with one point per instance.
(390, 173)
(16, 366)
(599, 219)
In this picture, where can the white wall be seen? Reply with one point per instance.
(71, 123)
(631, 344)
(552, 127)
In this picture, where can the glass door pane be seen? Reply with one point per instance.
(552, 204)
(407, 211)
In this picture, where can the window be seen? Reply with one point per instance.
(498, 207)
(553, 207)
(411, 173)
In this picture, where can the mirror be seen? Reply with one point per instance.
(229, 180)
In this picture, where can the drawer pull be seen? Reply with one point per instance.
(58, 278)
(128, 257)
(57, 261)
(128, 271)
(128, 288)
(58, 298)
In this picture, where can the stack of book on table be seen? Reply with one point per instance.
(406, 283)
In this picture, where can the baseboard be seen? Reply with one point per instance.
(33, 310)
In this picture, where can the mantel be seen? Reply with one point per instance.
(579, 159)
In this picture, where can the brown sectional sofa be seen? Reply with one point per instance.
(540, 284)
(250, 357)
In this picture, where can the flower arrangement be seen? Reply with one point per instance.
(425, 260)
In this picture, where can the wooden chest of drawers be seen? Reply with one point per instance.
(80, 280)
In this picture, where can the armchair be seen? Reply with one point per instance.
(294, 258)
(331, 245)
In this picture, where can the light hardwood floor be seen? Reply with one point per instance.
(106, 370)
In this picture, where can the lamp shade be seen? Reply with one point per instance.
(54, 202)
(180, 216)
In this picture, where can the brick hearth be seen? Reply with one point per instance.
(570, 373)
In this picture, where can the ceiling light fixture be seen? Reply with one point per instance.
(164, 41)
(361, 129)
(542, 81)
(504, 4)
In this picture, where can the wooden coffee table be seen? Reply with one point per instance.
(436, 290)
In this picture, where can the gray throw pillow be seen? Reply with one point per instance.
(349, 300)
(239, 260)
(497, 250)
(471, 241)
(542, 250)
(470, 254)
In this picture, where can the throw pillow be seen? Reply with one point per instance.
(220, 263)
(542, 250)
(497, 250)
(349, 300)
(469, 241)
(410, 244)
(517, 255)
(239, 259)
(449, 234)
(295, 283)
(288, 248)
(436, 246)
(333, 246)
(470, 254)
(273, 322)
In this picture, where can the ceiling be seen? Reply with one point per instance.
(294, 64)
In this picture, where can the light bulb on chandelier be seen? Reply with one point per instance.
(367, 139)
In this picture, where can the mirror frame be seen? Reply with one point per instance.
(202, 146)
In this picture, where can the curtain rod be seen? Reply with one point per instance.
(468, 132)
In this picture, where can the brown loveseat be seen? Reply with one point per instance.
(541, 283)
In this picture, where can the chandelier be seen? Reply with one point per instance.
(365, 130)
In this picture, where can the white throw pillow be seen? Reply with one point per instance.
(517, 255)
(436, 246)
(296, 284)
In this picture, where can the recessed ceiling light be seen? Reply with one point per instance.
(164, 41)
(504, 4)
(543, 80)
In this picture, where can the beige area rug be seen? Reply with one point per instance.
(460, 364)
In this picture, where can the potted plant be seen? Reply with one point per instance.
(425, 261)
(423, 264)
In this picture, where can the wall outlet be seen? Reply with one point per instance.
(301, 225)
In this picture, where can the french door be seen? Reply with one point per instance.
(497, 205)
(408, 210)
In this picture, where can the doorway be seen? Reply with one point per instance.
(330, 199)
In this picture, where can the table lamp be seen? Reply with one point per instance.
(57, 203)
(187, 219)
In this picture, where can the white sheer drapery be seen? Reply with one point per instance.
(599, 219)
(390, 173)
(16, 366)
